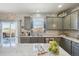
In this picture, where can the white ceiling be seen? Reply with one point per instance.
(21, 8)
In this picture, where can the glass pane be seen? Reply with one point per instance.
(13, 29)
(5, 34)
(6, 29)
(13, 33)
(0, 32)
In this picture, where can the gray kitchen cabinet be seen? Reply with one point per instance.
(53, 23)
(24, 40)
(41, 40)
(27, 23)
(71, 21)
(37, 40)
(33, 40)
(49, 23)
(66, 45)
(69, 46)
(59, 23)
(66, 22)
(74, 20)
(63, 43)
(75, 49)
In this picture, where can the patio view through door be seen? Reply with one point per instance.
(9, 33)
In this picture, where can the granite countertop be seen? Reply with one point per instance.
(29, 50)
(40, 36)
(71, 38)
(62, 52)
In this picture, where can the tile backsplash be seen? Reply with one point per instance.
(73, 33)
(51, 33)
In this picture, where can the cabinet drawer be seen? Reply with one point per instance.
(41, 40)
(75, 44)
(75, 51)
(24, 40)
(34, 40)
(37, 40)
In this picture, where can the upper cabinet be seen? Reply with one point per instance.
(53, 23)
(27, 23)
(74, 20)
(59, 23)
(66, 22)
(71, 21)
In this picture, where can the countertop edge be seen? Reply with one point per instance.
(61, 36)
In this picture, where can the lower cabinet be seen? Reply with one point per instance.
(66, 45)
(41, 40)
(62, 41)
(32, 40)
(75, 49)
(37, 40)
(69, 46)
(24, 40)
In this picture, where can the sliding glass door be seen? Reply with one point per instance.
(9, 33)
(0, 32)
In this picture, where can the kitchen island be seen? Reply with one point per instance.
(29, 50)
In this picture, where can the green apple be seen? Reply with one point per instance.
(54, 49)
(53, 46)
(54, 43)
(50, 49)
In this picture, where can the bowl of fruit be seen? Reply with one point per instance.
(53, 47)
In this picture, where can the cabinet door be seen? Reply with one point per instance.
(54, 23)
(68, 46)
(27, 23)
(75, 49)
(49, 23)
(41, 40)
(37, 40)
(34, 40)
(59, 23)
(74, 18)
(67, 22)
(24, 40)
(62, 43)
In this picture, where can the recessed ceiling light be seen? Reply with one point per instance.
(59, 6)
(37, 11)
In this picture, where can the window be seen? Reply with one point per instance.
(38, 26)
(38, 22)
